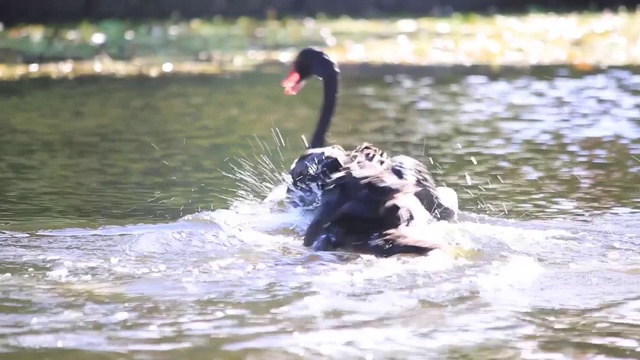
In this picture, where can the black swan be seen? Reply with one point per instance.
(366, 197)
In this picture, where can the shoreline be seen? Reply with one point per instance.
(87, 69)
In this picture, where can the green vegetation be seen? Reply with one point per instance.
(215, 45)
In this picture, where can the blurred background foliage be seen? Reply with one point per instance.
(12, 11)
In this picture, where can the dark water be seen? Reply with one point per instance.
(122, 237)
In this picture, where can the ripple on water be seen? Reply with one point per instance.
(178, 286)
(237, 281)
(536, 138)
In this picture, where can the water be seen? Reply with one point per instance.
(122, 237)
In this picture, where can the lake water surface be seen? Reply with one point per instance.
(132, 226)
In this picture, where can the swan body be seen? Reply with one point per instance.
(368, 208)
(315, 167)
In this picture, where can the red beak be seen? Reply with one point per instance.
(292, 83)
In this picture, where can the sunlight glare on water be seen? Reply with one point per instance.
(543, 264)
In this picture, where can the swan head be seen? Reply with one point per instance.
(308, 62)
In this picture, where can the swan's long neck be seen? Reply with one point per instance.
(330, 81)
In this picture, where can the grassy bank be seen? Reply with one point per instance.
(124, 48)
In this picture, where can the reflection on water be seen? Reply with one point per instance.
(545, 164)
